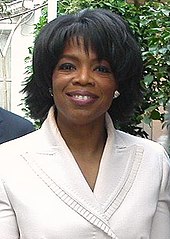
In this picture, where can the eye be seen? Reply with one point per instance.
(66, 67)
(103, 69)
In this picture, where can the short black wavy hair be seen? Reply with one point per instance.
(109, 35)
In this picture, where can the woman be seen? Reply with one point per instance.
(79, 177)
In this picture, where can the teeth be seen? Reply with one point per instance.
(82, 97)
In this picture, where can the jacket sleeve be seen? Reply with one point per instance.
(8, 224)
(161, 221)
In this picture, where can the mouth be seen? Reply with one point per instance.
(82, 97)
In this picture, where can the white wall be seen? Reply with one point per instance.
(22, 39)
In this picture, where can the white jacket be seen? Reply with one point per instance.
(43, 194)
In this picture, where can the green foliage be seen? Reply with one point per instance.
(42, 21)
(151, 26)
(155, 30)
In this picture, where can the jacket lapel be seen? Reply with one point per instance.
(118, 169)
(69, 186)
(116, 176)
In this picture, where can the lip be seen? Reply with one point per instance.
(82, 97)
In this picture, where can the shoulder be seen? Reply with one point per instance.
(154, 156)
(28, 142)
(150, 147)
(14, 118)
(13, 126)
(12, 152)
(39, 140)
(147, 144)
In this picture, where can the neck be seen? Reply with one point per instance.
(84, 138)
(86, 143)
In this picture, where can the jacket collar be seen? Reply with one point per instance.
(53, 138)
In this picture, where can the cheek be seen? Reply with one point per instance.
(57, 82)
(109, 89)
(58, 85)
(60, 81)
(57, 88)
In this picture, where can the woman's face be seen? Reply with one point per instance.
(83, 86)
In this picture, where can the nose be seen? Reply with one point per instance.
(84, 77)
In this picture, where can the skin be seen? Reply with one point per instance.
(83, 89)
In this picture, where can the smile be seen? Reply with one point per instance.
(82, 98)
